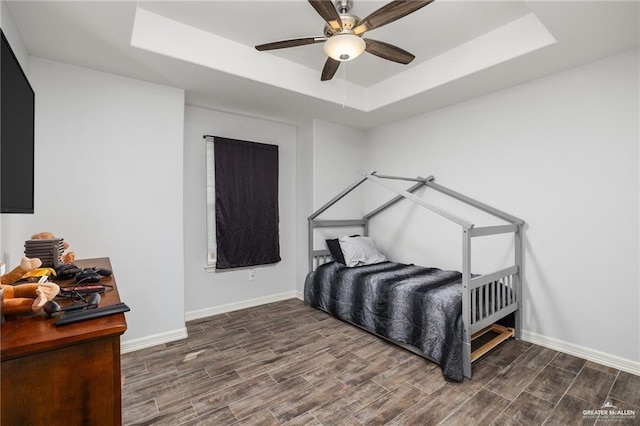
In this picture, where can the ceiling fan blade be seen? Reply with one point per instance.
(389, 13)
(290, 43)
(388, 51)
(329, 69)
(327, 10)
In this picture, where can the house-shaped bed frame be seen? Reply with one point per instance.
(486, 298)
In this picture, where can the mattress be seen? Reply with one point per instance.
(414, 305)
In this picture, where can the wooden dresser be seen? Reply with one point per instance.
(67, 375)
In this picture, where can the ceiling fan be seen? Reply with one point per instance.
(343, 33)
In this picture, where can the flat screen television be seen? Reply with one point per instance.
(17, 103)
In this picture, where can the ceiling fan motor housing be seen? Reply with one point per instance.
(348, 23)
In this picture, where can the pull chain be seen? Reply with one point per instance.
(344, 84)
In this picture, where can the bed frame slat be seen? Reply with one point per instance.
(503, 334)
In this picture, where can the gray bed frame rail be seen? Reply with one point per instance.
(486, 298)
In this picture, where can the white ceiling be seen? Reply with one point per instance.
(463, 49)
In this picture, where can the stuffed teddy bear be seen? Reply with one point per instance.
(67, 257)
(24, 298)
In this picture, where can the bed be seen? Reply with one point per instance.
(433, 312)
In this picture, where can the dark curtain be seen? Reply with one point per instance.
(246, 179)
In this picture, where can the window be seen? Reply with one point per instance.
(242, 203)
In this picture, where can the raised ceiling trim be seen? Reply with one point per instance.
(519, 37)
(158, 34)
(168, 37)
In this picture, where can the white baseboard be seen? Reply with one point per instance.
(216, 310)
(609, 360)
(156, 339)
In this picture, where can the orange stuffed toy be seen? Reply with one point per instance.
(24, 298)
(67, 257)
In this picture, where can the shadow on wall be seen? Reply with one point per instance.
(530, 265)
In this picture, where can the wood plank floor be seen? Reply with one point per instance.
(285, 363)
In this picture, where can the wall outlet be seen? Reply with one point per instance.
(252, 274)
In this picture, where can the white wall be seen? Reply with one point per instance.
(562, 153)
(109, 181)
(304, 201)
(207, 293)
(338, 159)
(13, 37)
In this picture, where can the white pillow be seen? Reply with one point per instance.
(360, 251)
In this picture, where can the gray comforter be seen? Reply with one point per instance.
(418, 306)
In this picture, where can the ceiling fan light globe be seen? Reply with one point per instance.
(344, 47)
